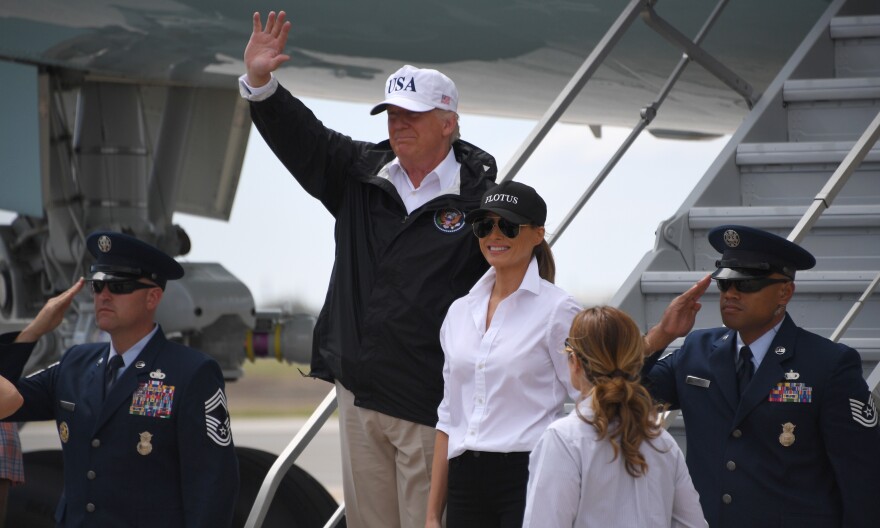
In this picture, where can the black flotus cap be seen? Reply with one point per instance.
(747, 253)
(513, 201)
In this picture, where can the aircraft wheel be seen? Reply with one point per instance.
(33, 503)
(300, 501)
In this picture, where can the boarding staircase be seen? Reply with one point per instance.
(769, 175)
(804, 164)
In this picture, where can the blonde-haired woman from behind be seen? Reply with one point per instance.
(609, 463)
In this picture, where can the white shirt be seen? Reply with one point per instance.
(574, 482)
(444, 179)
(505, 384)
(257, 94)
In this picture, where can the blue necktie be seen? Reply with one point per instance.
(744, 369)
(113, 367)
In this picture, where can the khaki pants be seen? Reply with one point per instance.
(386, 467)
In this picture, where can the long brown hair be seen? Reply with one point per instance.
(610, 349)
(546, 264)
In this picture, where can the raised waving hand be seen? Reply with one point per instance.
(265, 49)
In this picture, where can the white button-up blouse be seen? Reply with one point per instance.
(506, 383)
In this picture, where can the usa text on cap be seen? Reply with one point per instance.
(419, 90)
(747, 252)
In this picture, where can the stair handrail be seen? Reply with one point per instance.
(822, 202)
(643, 8)
(286, 459)
(837, 180)
(825, 198)
(647, 115)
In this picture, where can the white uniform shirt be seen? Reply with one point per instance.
(574, 482)
(505, 384)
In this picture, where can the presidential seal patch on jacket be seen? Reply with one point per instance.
(449, 220)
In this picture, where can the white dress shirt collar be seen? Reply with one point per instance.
(444, 179)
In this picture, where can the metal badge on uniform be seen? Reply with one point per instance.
(100, 361)
(792, 375)
(104, 244)
(449, 220)
(152, 399)
(699, 382)
(63, 432)
(144, 447)
(140, 365)
(785, 392)
(731, 238)
(157, 374)
(779, 350)
(67, 406)
(787, 436)
(864, 413)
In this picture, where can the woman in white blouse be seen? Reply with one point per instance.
(609, 463)
(505, 380)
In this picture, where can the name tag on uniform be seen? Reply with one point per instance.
(67, 406)
(699, 382)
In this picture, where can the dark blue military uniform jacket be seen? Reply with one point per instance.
(801, 449)
(157, 451)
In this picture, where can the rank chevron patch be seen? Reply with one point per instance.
(217, 419)
(864, 413)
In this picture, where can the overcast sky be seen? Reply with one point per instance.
(279, 240)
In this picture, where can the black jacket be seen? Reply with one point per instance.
(395, 275)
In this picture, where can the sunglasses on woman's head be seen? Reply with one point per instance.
(483, 227)
(120, 287)
(747, 285)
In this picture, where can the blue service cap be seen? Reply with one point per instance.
(748, 253)
(120, 257)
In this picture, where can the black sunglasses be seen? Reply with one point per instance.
(747, 285)
(483, 227)
(120, 287)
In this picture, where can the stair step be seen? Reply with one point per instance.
(798, 153)
(845, 89)
(855, 27)
(856, 46)
(785, 185)
(776, 217)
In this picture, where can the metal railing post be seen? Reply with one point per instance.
(572, 89)
(287, 458)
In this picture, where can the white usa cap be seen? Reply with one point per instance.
(419, 90)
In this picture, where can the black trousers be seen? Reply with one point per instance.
(487, 490)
